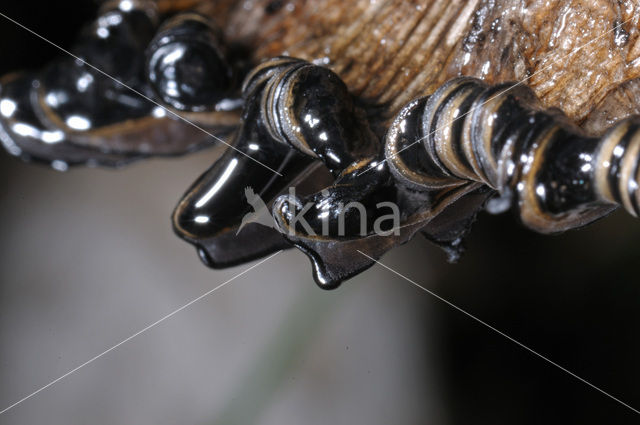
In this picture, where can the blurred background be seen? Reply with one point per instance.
(89, 258)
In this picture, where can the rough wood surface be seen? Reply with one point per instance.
(390, 52)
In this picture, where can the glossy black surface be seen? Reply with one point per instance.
(571, 297)
(44, 113)
(332, 212)
(187, 66)
(95, 110)
(316, 108)
(211, 212)
(295, 113)
(216, 203)
(23, 134)
(542, 164)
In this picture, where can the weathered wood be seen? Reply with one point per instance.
(390, 52)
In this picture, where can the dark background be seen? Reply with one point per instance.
(574, 298)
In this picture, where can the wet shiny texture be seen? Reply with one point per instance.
(211, 213)
(69, 113)
(51, 116)
(24, 135)
(187, 66)
(556, 176)
(376, 57)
